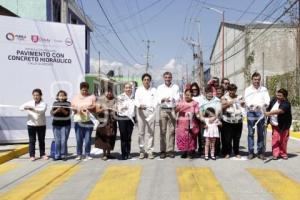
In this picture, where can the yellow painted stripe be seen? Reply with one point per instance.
(199, 183)
(117, 182)
(41, 184)
(11, 154)
(276, 183)
(8, 167)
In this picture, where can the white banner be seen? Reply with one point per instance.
(34, 54)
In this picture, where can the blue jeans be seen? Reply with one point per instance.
(61, 134)
(83, 134)
(252, 118)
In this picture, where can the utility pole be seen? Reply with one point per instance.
(148, 51)
(197, 55)
(99, 67)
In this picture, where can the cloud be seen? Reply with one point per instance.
(138, 70)
(118, 67)
(174, 67)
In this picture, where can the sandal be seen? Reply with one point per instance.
(284, 157)
(44, 157)
(32, 158)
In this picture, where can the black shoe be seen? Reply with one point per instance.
(110, 156)
(206, 158)
(250, 156)
(171, 154)
(213, 157)
(163, 155)
(191, 154)
(129, 157)
(123, 158)
(184, 155)
(261, 156)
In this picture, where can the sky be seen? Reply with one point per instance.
(167, 24)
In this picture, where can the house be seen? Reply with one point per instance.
(268, 49)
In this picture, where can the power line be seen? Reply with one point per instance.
(141, 19)
(115, 32)
(245, 11)
(138, 12)
(99, 32)
(151, 18)
(134, 22)
(126, 27)
(278, 18)
(224, 7)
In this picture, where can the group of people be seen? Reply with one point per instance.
(208, 122)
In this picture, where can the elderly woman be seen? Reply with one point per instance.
(280, 118)
(125, 107)
(107, 129)
(232, 120)
(36, 123)
(187, 127)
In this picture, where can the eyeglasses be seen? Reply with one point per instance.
(194, 89)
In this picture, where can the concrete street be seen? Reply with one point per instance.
(168, 179)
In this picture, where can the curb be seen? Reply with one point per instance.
(19, 151)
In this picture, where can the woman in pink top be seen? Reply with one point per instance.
(82, 105)
(187, 127)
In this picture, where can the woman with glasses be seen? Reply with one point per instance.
(197, 96)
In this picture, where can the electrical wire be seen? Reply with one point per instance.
(141, 19)
(98, 32)
(115, 32)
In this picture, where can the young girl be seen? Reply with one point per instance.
(61, 113)
(187, 127)
(211, 132)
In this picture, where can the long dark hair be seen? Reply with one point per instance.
(196, 86)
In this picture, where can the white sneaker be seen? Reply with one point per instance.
(78, 158)
(88, 158)
(150, 155)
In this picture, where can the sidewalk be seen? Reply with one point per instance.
(11, 151)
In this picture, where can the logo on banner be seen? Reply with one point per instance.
(68, 41)
(34, 38)
(10, 36)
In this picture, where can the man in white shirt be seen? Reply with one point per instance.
(257, 99)
(145, 101)
(167, 96)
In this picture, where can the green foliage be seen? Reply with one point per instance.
(247, 73)
(287, 81)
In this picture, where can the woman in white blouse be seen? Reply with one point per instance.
(36, 123)
(126, 108)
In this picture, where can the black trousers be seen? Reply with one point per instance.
(232, 135)
(40, 131)
(126, 128)
(201, 141)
